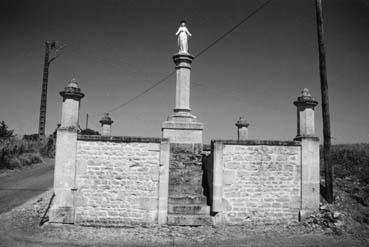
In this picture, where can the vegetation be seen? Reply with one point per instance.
(351, 186)
(350, 160)
(4, 132)
(89, 132)
(17, 152)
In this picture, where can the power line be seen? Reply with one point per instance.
(196, 56)
(139, 95)
(144, 92)
(233, 28)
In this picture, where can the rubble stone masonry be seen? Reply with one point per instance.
(117, 182)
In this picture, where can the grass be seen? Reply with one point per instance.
(16, 152)
(350, 160)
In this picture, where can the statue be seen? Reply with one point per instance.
(183, 34)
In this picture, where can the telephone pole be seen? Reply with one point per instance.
(48, 47)
(87, 121)
(325, 104)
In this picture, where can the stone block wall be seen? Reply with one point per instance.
(117, 181)
(255, 182)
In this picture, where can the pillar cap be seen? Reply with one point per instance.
(242, 122)
(106, 119)
(183, 60)
(305, 99)
(72, 91)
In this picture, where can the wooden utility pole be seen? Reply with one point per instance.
(48, 47)
(45, 78)
(325, 104)
(87, 121)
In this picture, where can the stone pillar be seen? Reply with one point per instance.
(310, 178)
(62, 210)
(242, 129)
(163, 182)
(305, 104)
(218, 163)
(106, 123)
(182, 126)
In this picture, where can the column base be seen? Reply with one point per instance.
(183, 127)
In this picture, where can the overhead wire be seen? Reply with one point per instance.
(233, 28)
(166, 77)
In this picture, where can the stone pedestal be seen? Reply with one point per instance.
(106, 123)
(310, 178)
(242, 129)
(62, 210)
(182, 126)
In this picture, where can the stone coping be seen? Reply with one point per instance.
(120, 138)
(258, 142)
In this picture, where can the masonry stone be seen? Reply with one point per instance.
(62, 210)
(305, 105)
(256, 184)
(115, 186)
(106, 123)
(242, 129)
(310, 181)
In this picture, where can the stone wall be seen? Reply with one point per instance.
(117, 180)
(255, 181)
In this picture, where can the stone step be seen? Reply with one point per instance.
(186, 172)
(185, 189)
(185, 180)
(193, 165)
(189, 220)
(191, 209)
(187, 199)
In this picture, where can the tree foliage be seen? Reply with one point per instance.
(89, 132)
(4, 131)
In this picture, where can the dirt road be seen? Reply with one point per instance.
(18, 187)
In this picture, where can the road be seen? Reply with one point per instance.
(18, 187)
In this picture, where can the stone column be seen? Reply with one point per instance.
(62, 210)
(305, 104)
(182, 126)
(310, 177)
(183, 72)
(242, 129)
(106, 123)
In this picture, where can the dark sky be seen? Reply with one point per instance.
(117, 49)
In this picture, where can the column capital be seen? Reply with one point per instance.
(183, 60)
(305, 100)
(72, 91)
(106, 119)
(242, 122)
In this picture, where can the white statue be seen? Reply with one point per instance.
(183, 34)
